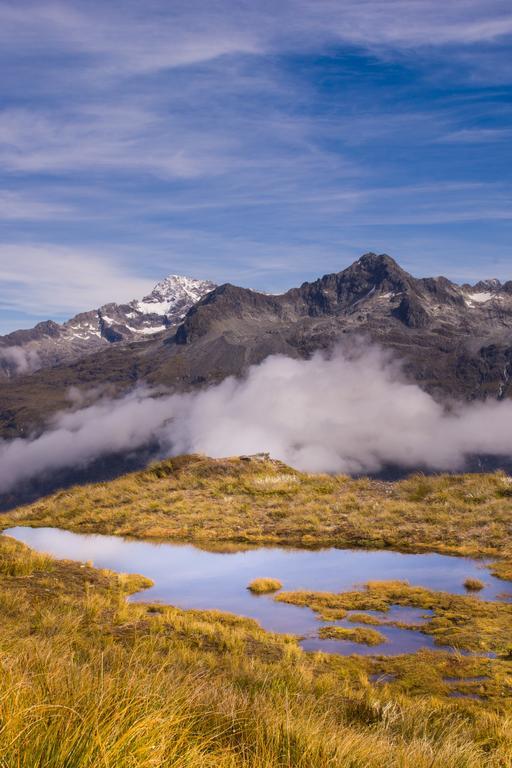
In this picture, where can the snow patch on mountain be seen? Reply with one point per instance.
(173, 296)
(478, 298)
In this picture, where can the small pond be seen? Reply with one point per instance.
(189, 577)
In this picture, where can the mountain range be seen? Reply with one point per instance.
(455, 341)
(51, 343)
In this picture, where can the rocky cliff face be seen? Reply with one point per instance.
(454, 341)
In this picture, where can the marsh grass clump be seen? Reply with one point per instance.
(18, 560)
(362, 635)
(264, 585)
(364, 618)
(418, 487)
(473, 585)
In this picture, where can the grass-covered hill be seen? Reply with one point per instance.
(261, 501)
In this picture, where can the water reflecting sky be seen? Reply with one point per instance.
(188, 577)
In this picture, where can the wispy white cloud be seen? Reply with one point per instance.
(94, 138)
(125, 38)
(21, 360)
(15, 205)
(476, 136)
(409, 23)
(50, 279)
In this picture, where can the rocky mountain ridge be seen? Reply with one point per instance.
(455, 341)
(50, 343)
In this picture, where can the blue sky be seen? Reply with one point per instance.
(254, 142)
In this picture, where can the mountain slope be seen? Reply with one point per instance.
(455, 341)
(50, 343)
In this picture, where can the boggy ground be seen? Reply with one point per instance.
(88, 680)
(458, 621)
(231, 501)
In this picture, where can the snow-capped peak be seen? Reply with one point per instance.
(178, 286)
(51, 343)
(173, 296)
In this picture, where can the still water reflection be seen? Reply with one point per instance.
(188, 577)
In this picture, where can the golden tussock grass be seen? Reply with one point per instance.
(361, 635)
(89, 681)
(264, 585)
(473, 585)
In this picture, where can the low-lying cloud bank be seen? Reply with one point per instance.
(19, 359)
(350, 412)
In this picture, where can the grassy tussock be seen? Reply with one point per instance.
(11, 564)
(364, 618)
(357, 635)
(473, 585)
(211, 502)
(264, 585)
(89, 681)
